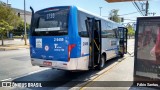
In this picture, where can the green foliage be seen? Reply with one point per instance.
(4, 27)
(20, 28)
(9, 15)
(131, 31)
(113, 15)
(8, 20)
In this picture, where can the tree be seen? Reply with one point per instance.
(20, 28)
(8, 19)
(131, 31)
(4, 26)
(113, 15)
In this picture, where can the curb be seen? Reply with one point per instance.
(12, 48)
(7, 49)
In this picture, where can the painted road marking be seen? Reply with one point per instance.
(6, 79)
(24, 75)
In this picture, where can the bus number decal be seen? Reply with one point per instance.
(58, 39)
(85, 43)
(50, 16)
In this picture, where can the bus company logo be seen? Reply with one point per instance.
(6, 84)
(46, 48)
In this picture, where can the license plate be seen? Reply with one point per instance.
(47, 63)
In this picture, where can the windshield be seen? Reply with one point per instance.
(51, 22)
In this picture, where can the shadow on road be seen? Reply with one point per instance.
(58, 78)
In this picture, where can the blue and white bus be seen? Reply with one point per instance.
(60, 39)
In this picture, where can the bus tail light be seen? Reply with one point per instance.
(70, 47)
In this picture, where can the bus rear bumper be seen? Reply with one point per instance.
(73, 64)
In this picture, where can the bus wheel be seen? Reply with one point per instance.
(102, 63)
(121, 55)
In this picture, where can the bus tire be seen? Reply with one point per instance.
(102, 63)
(121, 55)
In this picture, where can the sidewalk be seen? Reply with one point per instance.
(119, 77)
(13, 45)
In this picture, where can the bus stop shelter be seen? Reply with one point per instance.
(147, 62)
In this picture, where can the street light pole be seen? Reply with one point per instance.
(7, 30)
(100, 10)
(25, 36)
(147, 7)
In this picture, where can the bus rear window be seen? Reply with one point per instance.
(51, 22)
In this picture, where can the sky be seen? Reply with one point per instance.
(89, 5)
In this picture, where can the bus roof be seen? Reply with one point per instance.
(85, 11)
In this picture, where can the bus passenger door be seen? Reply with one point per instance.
(122, 40)
(94, 32)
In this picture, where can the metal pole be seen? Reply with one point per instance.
(7, 30)
(100, 10)
(154, 14)
(25, 36)
(147, 7)
(112, 15)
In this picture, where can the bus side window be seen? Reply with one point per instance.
(81, 24)
(37, 24)
(116, 33)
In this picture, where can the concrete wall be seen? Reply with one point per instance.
(28, 14)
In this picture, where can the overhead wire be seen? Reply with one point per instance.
(128, 13)
(137, 7)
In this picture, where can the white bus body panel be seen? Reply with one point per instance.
(73, 64)
(107, 47)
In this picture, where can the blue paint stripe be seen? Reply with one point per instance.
(106, 50)
(85, 55)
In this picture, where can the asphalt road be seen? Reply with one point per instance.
(15, 63)
(15, 66)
